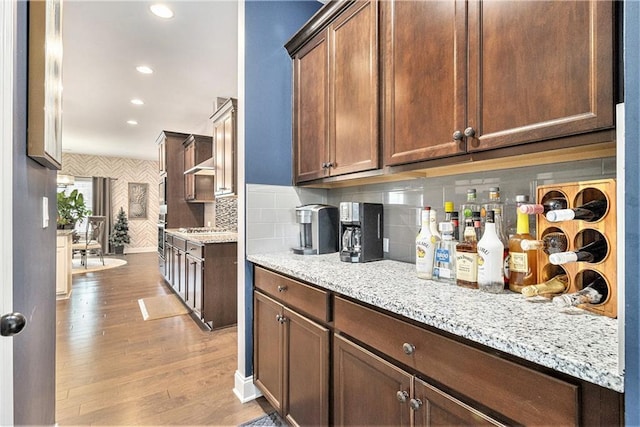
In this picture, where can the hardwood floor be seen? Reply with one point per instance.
(113, 368)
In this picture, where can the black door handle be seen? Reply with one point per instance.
(12, 324)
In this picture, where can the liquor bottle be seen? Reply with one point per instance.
(467, 209)
(467, 258)
(595, 251)
(493, 203)
(433, 224)
(444, 263)
(555, 285)
(455, 221)
(522, 264)
(425, 247)
(591, 211)
(499, 221)
(553, 204)
(595, 292)
(490, 258)
(477, 224)
(551, 243)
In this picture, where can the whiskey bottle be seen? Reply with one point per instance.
(595, 292)
(425, 247)
(555, 285)
(522, 264)
(551, 243)
(467, 258)
(490, 258)
(591, 211)
(553, 204)
(595, 251)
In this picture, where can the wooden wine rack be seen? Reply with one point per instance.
(579, 233)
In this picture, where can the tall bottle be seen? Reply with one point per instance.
(467, 257)
(449, 213)
(477, 224)
(591, 211)
(499, 221)
(493, 203)
(552, 204)
(467, 209)
(555, 285)
(522, 264)
(455, 221)
(425, 247)
(444, 264)
(595, 251)
(433, 224)
(595, 292)
(490, 258)
(551, 243)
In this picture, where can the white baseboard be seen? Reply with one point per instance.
(140, 250)
(244, 388)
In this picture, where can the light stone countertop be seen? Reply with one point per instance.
(573, 341)
(205, 238)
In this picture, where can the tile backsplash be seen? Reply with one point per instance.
(271, 225)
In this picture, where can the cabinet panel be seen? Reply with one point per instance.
(268, 348)
(219, 285)
(225, 138)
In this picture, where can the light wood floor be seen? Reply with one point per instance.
(113, 368)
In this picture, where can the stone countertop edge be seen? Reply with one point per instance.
(206, 238)
(572, 341)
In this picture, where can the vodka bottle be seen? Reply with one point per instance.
(595, 292)
(467, 258)
(555, 285)
(591, 211)
(490, 258)
(522, 264)
(425, 247)
(444, 264)
(553, 204)
(595, 251)
(505, 242)
(467, 209)
(551, 243)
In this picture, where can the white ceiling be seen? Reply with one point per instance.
(194, 57)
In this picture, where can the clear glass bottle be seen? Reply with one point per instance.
(444, 263)
(490, 258)
(551, 243)
(595, 251)
(595, 292)
(425, 247)
(555, 285)
(591, 211)
(522, 264)
(494, 202)
(499, 221)
(467, 258)
(455, 221)
(467, 209)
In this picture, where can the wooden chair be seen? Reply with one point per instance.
(93, 239)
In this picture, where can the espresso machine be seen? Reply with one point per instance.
(360, 231)
(318, 229)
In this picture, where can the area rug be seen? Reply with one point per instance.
(94, 264)
(161, 307)
(268, 420)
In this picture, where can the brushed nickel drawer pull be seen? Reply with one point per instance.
(408, 348)
(282, 288)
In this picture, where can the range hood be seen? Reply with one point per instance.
(207, 167)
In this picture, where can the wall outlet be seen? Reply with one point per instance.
(385, 244)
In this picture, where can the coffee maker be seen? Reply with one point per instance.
(361, 231)
(318, 229)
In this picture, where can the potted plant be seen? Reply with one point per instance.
(71, 209)
(120, 234)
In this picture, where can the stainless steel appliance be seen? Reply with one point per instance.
(162, 223)
(318, 229)
(361, 231)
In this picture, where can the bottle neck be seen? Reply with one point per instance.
(424, 220)
(522, 225)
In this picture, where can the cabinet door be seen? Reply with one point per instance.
(225, 155)
(424, 79)
(178, 281)
(307, 367)
(196, 278)
(189, 280)
(539, 70)
(360, 376)
(268, 344)
(310, 109)
(433, 407)
(353, 88)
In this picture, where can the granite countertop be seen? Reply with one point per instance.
(206, 237)
(573, 341)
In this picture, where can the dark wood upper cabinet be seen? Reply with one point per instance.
(225, 140)
(197, 188)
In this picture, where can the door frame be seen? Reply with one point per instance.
(8, 16)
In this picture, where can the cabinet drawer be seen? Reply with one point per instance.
(522, 394)
(195, 250)
(304, 298)
(179, 243)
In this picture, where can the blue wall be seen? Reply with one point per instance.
(268, 26)
(632, 207)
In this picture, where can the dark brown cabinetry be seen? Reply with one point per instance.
(291, 351)
(197, 188)
(536, 71)
(225, 140)
(335, 117)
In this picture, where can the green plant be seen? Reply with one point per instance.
(71, 209)
(120, 234)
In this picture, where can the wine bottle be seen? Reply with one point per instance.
(595, 292)
(467, 258)
(595, 251)
(591, 211)
(425, 247)
(490, 256)
(522, 264)
(555, 285)
(551, 243)
(552, 204)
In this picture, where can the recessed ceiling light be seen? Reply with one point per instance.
(137, 101)
(132, 122)
(161, 10)
(144, 69)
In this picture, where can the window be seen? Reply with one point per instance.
(85, 187)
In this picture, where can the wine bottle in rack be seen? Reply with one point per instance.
(595, 292)
(553, 204)
(591, 211)
(595, 251)
(555, 285)
(551, 243)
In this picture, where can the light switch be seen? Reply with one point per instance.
(45, 212)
